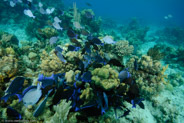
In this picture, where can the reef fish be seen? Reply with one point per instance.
(32, 95)
(73, 48)
(58, 53)
(46, 80)
(15, 85)
(86, 77)
(123, 75)
(29, 13)
(40, 108)
(108, 40)
(12, 113)
(57, 26)
(53, 40)
(71, 34)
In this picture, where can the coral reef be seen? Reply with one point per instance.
(105, 78)
(50, 63)
(135, 33)
(7, 40)
(9, 67)
(61, 113)
(173, 35)
(46, 33)
(155, 53)
(122, 48)
(150, 75)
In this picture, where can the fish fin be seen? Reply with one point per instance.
(20, 97)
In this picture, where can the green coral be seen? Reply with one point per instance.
(106, 78)
(61, 113)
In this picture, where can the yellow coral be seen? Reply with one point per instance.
(105, 78)
(10, 51)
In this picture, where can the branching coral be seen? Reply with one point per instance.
(150, 75)
(61, 112)
(122, 48)
(106, 78)
(8, 40)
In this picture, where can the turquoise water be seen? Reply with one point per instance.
(86, 61)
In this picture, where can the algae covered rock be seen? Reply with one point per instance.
(106, 78)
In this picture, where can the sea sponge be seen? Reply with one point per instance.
(106, 78)
(122, 48)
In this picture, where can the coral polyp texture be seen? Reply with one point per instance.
(50, 63)
(106, 78)
(150, 76)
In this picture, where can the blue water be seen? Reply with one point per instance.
(149, 11)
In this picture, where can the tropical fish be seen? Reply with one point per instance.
(12, 3)
(60, 56)
(108, 40)
(40, 4)
(137, 101)
(53, 40)
(58, 53)
(50, 10)
(88, 4)
(136, 66)
(29, 13)
(57, 26)
(57, 20)
(86, 77)
(32, 95)
(73, 48)
(71, 34)
(12, 113)
(46, 80)
(58, 49)
(41, 107)
(15, 85)
(106, 100)
(123, 75)
(96, 41)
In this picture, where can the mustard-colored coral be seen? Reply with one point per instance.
(150, 75)
(10, 51)
(70, 77)
(8, 67)
(87, 93)
(105, 78)
(50, 63)
(48, 32)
